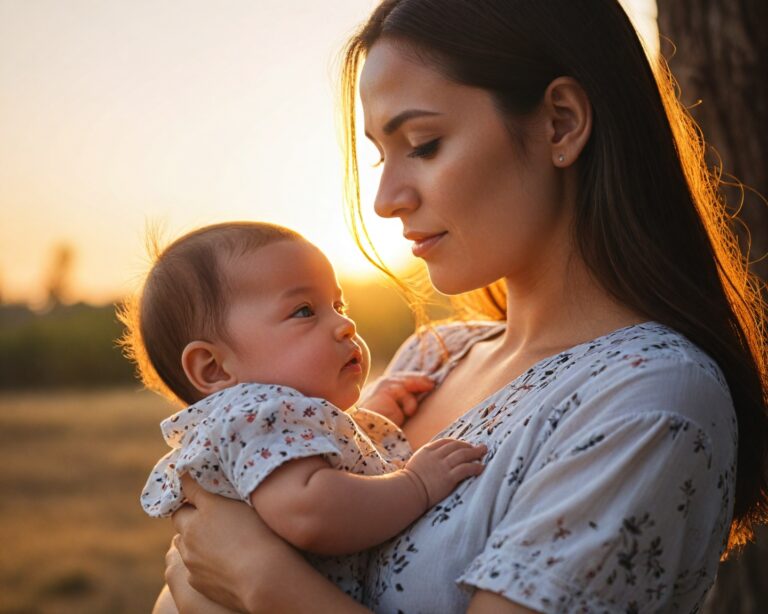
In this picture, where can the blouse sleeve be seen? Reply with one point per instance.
(626, 501)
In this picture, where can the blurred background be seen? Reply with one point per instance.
(119, 116)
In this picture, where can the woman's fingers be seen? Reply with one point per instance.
(192, 491)
(182, 517)
(172, 557)
(196, 498)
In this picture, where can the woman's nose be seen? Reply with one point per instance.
(394, 198)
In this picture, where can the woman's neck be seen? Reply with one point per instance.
(558, 306)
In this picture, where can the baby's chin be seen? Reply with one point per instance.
(344, 401)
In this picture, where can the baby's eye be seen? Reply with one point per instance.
(342, 307)
(305, 311)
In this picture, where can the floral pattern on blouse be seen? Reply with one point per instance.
(232, 440)
(608, 484)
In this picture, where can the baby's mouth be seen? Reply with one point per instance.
(355, 362)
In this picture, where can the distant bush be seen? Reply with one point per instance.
(69, 346)
(74, 346)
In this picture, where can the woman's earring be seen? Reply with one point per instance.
(561, 158)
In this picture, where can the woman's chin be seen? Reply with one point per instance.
(451, 282)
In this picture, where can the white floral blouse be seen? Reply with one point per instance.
(608, 484)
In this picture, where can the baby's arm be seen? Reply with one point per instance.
(327, 511)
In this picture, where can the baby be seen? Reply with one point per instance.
(246, 324)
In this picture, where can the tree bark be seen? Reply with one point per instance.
(721, 64)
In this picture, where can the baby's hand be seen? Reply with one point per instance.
(440, 465)
(394, 396)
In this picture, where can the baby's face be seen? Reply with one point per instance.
(287, 324)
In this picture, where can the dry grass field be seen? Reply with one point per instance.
(73, 537)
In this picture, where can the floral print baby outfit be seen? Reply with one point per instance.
(608, 484)
(232, 440)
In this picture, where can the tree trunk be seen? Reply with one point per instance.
(721, 65)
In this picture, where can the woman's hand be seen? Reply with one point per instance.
(233, 558)
(394, 396)
(178, 596)
(226, 547)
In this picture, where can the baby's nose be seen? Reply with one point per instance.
(345, 328)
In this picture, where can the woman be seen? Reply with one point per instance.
(545, 176)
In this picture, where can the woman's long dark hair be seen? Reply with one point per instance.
(649, 222)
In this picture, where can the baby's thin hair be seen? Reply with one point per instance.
(184, 298)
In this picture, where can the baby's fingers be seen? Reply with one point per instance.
(409, 404)
(466, 470)
(414, 382)
(438, 443)
(465, 455)
(447, 445)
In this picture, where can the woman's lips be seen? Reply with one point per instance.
(422, 245)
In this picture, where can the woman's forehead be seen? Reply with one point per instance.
(396, 80)
(393, 78)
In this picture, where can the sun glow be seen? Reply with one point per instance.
(115, 115)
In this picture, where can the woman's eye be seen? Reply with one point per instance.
(426, 150)
(305, 311)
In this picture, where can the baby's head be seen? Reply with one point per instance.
(245, 302)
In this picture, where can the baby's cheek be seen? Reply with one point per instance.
(366, 358)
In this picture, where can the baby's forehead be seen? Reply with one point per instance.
(280, 268)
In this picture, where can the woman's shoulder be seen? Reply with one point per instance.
(433, 345)
(648, 346)
(650, 368)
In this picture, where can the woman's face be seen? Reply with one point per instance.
(477, 207)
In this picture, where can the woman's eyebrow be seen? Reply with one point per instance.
(398, 120)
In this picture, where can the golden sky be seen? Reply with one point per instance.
(119, 113)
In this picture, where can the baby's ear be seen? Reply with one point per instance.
(203, 365)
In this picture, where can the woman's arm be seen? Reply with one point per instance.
(165, 603)
(234, 559)
(485, 602)
(178, 590)
(327, 511)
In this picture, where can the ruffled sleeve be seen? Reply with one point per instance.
(384, 435)
(230, 442)
(622, 501)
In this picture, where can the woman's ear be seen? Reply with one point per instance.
(203, 364)
(569, 115)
